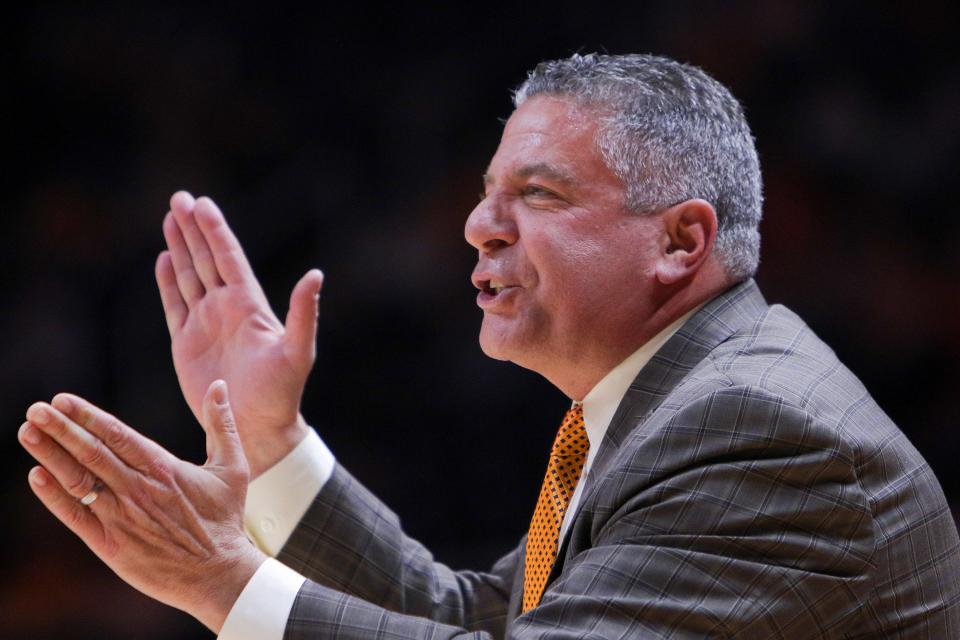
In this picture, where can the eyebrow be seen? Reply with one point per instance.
(546, 170)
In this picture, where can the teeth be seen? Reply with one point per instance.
(496, 286)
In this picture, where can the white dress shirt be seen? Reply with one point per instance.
(601, 403)
(278, 499)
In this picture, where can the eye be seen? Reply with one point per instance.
(537, 191)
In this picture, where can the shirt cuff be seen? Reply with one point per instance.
(278, 498)
(261, 611)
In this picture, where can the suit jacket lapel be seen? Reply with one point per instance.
(736, 308)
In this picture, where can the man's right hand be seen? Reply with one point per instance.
(221, 327)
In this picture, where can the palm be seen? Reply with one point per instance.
(233, 334)
(221, 326)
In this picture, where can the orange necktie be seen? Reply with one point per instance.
(563, 471)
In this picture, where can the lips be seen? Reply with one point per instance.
(494, 290)
(490, 299)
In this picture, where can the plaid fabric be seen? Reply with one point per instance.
(748, 487)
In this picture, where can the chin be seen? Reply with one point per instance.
(508, 340)
(497, 340)
(493, 348)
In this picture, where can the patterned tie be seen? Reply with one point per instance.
(563, 471)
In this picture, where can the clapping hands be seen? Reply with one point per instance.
(172, 529)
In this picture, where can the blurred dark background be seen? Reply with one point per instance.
(353, 138)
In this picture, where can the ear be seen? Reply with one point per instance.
(690, 229)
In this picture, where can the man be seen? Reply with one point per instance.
(719, 473)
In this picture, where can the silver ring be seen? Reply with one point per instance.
(92, 495)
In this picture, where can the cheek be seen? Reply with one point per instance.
(569, 268)
(592, 279)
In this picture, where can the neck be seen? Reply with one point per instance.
(579, 372)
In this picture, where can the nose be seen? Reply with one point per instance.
(489, 226)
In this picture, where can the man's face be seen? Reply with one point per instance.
(564, 270)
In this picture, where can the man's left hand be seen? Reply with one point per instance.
(171, 529)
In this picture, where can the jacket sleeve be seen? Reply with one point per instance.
(736, 515)
(352, 543)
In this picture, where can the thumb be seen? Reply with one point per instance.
(223, 441)
(301, 326)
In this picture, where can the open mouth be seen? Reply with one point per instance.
(493, 292)
(492, 287)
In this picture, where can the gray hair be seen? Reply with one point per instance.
(671, 133)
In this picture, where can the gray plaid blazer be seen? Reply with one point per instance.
(748, 487)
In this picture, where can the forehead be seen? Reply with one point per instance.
(548, 135)
(545, 114)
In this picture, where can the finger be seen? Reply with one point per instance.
(191, 288)
(200, 253)
(301, 325)
(174, 308)
(120, 441)
(182, 200)
(70, 474)
(78, 518)
(86, 449)
(223, 441)
(231, 262)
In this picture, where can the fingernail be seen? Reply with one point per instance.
(220, 392)
(36, 477)
(36, 413)
(29, 434)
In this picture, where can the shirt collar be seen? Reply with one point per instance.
(601, 403)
